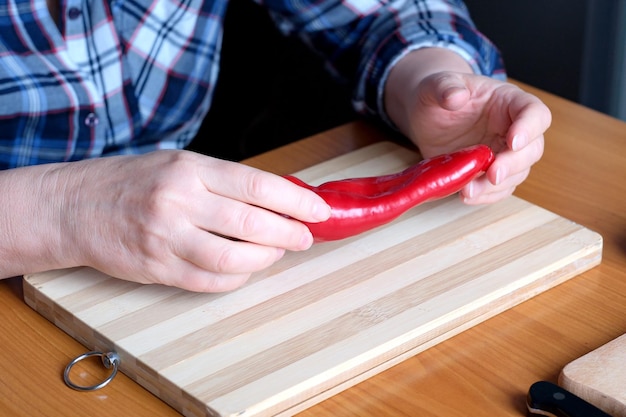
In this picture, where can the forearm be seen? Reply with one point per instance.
(31, 222)
(362, 45)
(401, 88)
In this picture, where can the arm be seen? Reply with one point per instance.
(170, 217)
(362, 42)
(425, 69)
(30, 230)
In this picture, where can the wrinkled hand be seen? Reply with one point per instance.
(454, 110)
(183, 219)
(445, 111)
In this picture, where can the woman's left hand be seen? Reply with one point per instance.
(443, 111)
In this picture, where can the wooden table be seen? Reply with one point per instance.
(483, 371)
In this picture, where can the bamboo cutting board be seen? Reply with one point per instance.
(600, 377)
(322, 320)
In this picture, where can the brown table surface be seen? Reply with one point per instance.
(483, 371)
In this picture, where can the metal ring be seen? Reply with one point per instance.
(109, 359)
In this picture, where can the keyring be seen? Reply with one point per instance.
(109, 359)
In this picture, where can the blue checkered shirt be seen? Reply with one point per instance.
(130, 76)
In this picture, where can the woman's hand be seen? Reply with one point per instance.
(170, 217)
(441, 106)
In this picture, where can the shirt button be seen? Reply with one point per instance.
(91, 120)
(74, 13)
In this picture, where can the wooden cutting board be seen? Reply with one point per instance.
(322, 320)
(600, 377)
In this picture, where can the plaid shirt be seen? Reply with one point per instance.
(130, 76)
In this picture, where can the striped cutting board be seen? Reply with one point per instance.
(322, 320)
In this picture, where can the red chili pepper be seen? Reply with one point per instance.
(361, 204)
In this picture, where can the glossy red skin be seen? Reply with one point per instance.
(361, 204)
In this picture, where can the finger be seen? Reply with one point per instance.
(482, 191)
(213, 282)
(489, 198)
(446, 90)
(510, 163)
(263, 189)
(220, 255)
(192, 278)
(530, 119)
(175, 271)
(232, 218)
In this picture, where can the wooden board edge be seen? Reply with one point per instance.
(569, 380)
(95, 341)
(591, 395)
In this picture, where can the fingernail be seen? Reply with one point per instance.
(279, 253)
(471, 190)
(519, 141)
(321, 212)
(306, 241)
(500, 175)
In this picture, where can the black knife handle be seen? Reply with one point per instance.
(548, 399)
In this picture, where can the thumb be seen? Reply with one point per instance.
(446, 90)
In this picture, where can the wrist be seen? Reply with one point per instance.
(64, 182)
(31, 236)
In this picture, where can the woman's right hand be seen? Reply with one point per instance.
(179, 218)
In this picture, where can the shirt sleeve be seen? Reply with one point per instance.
(362, 39)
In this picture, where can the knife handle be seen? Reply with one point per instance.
(548, 399)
